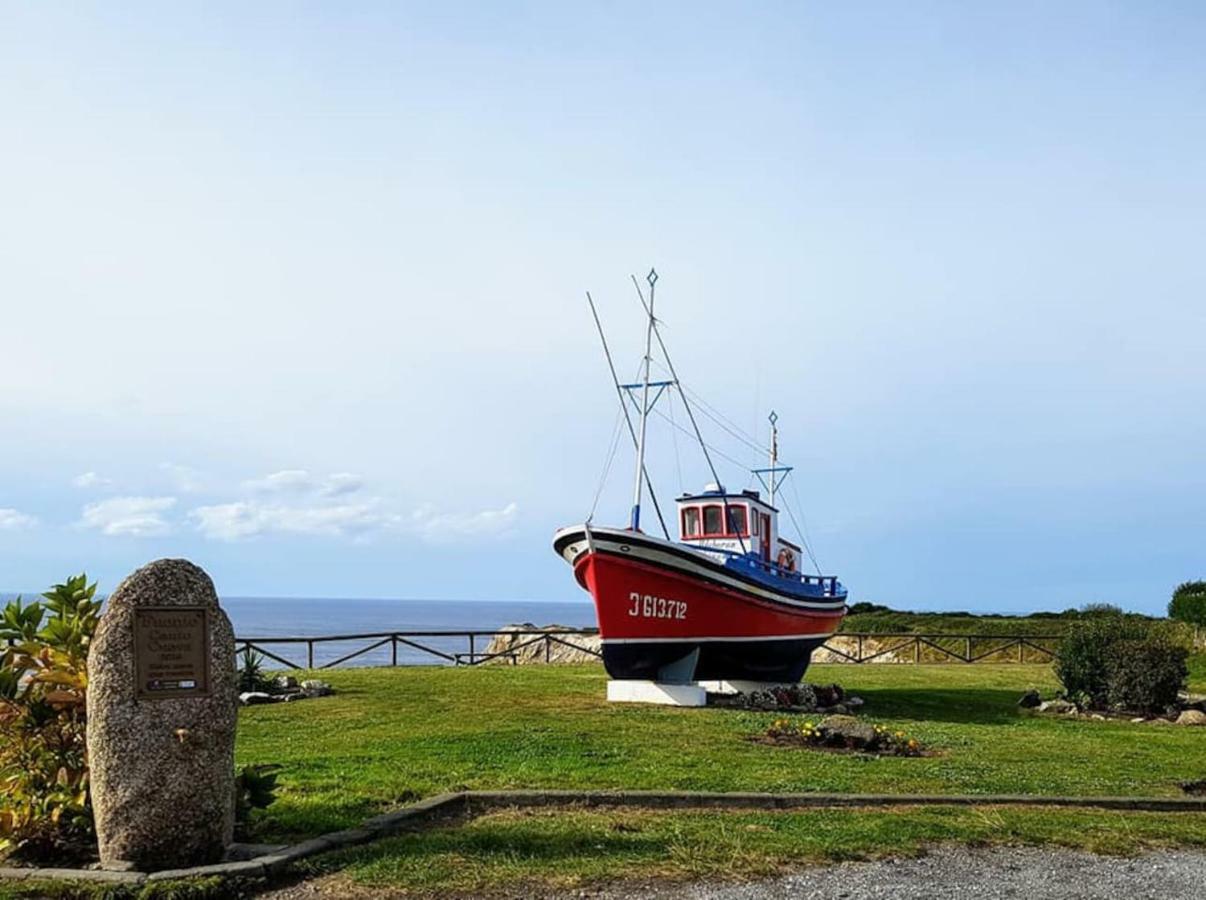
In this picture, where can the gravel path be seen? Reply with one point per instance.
(954, 872)
(948, 872)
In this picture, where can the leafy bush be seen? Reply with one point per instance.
(255, 788)
(1121, 662)
(1145, 676)
(1188, 603)
(44, 804)
(1083, 659)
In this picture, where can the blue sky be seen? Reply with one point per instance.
(296, 290)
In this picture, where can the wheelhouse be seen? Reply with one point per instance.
(737, 523)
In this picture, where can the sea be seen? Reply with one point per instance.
(265, 618)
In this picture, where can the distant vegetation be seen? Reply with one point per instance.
(1188, 603)
(877, 619)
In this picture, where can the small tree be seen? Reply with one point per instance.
(1188, 605)
(44, 805)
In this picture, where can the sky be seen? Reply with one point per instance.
(297, 290)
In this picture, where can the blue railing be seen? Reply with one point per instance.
(829, 584)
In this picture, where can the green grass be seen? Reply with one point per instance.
(507, 850)
(389, 736)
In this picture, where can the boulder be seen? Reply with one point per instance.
(855, 703)
(1057, 707)
(285, 683)
(803, 697)
(1192, 717)
(847, 731)
(314, 688)
(828, 694)
(507, 646)
(1192, 701)
(162, 706)
(1030, 699)
(254, 698)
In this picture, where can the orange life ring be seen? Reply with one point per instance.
(787, 560)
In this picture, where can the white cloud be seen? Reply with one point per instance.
(300, 481)
(442, 527)
(14, 520)
(185, 479)
(340, 483)
(251, 518)
(129, 516)
(287, 481)
(91, 480)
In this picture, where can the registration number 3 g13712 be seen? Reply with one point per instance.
(650, 607)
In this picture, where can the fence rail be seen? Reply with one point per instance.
(441, 647)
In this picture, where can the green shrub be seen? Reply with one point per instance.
(1188, 603)
(1082, 661)
(251, 672)
(1145, 675)
(44, 805)
(255, 788)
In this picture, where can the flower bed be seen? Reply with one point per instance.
(842, 734)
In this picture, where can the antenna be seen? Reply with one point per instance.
(772, 478)
(773, 418)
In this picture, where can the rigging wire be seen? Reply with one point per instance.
(805, 539)
(719, 418)
(678, 464)
(611, 455)
(686, 405)
(624, 408)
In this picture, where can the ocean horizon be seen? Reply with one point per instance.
(276, 617)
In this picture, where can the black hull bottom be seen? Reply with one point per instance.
(782, 662)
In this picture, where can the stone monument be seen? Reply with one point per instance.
(162, 705)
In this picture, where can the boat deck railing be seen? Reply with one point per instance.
(472, 648)
(829, 584)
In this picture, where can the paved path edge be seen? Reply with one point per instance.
(476, 803)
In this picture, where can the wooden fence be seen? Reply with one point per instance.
(394, 648)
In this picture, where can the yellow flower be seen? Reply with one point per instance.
(900, 734)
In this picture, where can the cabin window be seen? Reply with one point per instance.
(691, 521)
(713, 521)
(757, 519)
(737, 520)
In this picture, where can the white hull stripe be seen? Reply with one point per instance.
(706, 569)
(726, 639)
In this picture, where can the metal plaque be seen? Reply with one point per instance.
(171, 652)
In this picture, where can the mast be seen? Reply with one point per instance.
(620, 392)
(640, 462)
(774, 452)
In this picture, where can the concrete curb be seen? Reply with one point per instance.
(476, 803)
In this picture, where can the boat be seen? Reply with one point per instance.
(728, 600)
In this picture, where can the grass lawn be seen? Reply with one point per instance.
(524, 853)
(391, 735)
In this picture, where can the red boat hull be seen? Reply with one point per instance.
(653, 619)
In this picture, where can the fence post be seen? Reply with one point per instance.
(548, 647)
(1021, 649)
(310, 655)
(860, 648)
(393, 644)
(967, 649)
(471, 649)
(916, 651)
